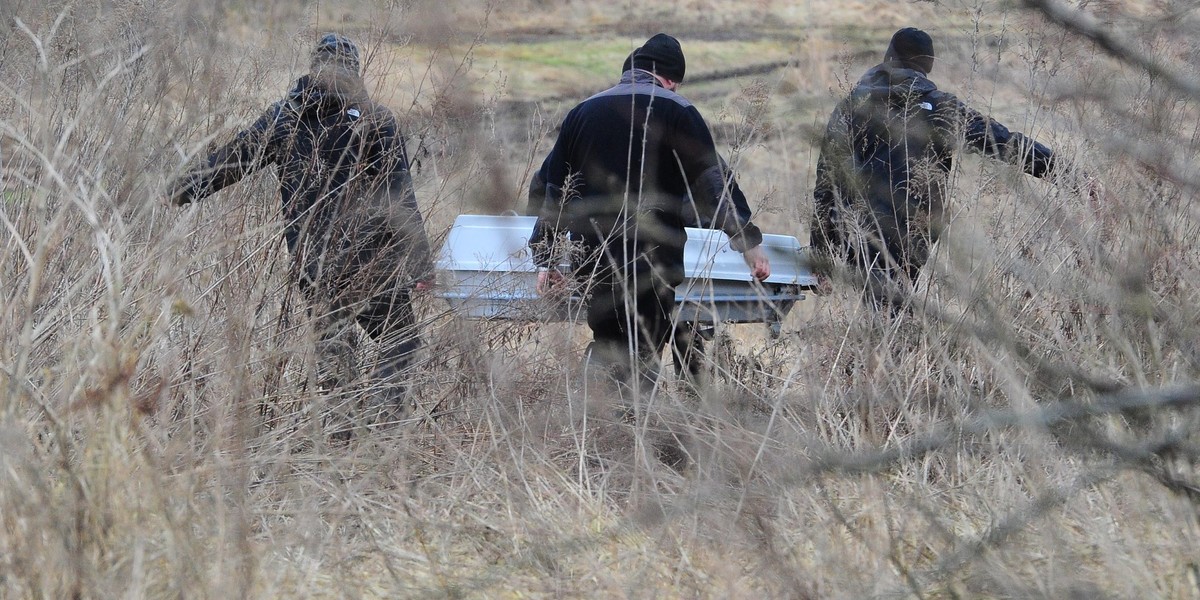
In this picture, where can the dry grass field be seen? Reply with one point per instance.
(1030, 432)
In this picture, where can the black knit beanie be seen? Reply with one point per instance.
(660, 54)
(913, 48)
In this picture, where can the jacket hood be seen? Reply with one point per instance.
(328, 90)
(894, 79)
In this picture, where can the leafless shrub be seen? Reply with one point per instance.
(1028, 431)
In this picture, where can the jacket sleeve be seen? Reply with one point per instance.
(989, 137)
(546, 199)
(825, 232)
(536, 195)
(251, 149)
(715, 192)
(405, 214)
(740, 205)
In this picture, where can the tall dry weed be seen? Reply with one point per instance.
(1028, 432)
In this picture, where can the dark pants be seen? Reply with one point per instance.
(889, 276)
(629, 331)
(630, 311)
(688, 349)
(388, 319)
(391, 323)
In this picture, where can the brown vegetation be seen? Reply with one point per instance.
(1030, 433)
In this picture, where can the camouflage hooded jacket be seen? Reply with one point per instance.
(351, 215)
(885, 162)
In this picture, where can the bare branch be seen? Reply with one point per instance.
(1088, 26)
(1129, 401)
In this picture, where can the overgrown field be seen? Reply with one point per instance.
(1029, 432)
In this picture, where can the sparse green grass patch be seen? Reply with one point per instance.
(559, 67)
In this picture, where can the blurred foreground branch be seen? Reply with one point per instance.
(1129, 402)
(1086, 25)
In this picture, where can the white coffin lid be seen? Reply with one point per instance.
(708, 255)
(501, 243)
(488, 243)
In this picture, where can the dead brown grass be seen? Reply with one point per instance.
(159, 426)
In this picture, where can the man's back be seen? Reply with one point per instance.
(637, 148)
(631, 166)
(627, 148)
(896, 131)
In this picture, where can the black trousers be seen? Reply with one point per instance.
(688, 348)
(390, 321)
(630, 310)
(889, 275)
(387, 317)
(630, 330)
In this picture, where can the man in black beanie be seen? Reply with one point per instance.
(351, 219)
(884, 166)
(631, 167)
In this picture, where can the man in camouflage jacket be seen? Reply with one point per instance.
(351, 218)
(884, 167)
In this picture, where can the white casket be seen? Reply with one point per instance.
(486, 271)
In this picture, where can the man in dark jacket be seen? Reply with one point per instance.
(884, 167)
(351, 217)
(688, 340)
(632, 165)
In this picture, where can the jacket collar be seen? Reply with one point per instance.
(894, 78)
(640, 76)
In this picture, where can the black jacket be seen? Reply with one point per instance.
(636, 155)
(885, 161)
(692, 218)
(352, 219)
